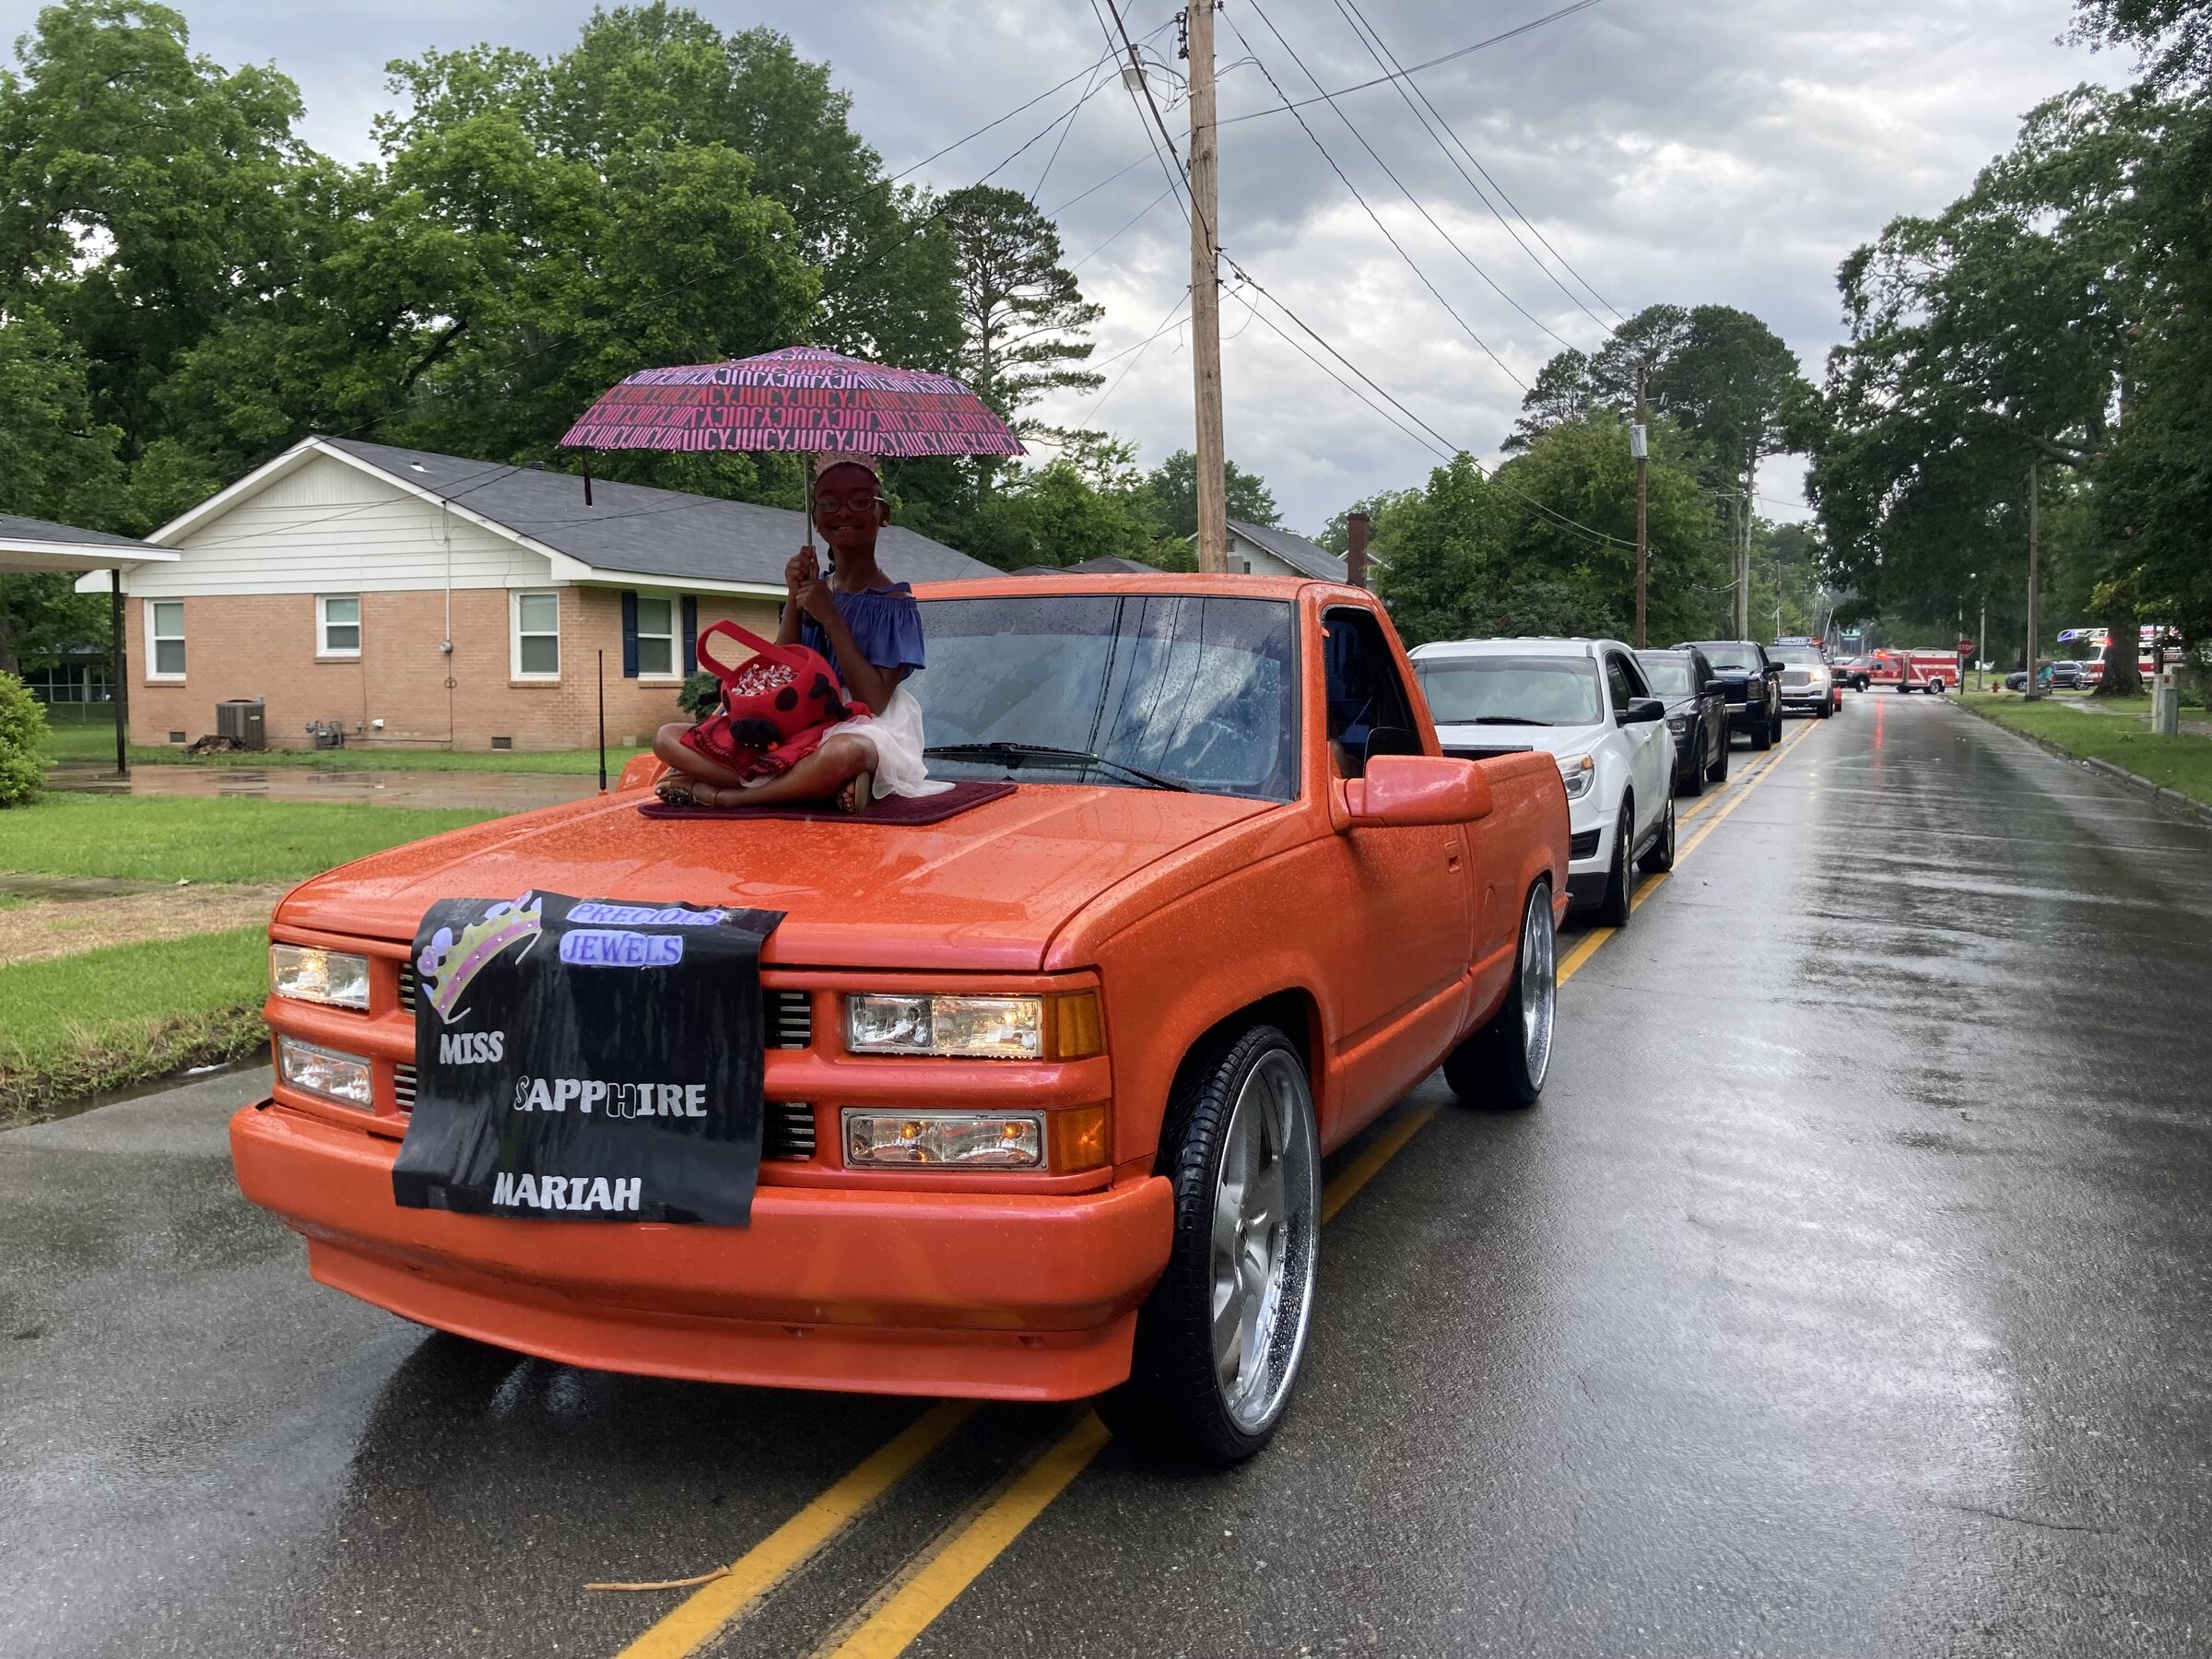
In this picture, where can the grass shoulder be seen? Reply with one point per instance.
(187, 838)
(106, 1019)
(2183, 764)
(80, 745)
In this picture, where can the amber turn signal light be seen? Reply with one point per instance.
(1075, 1024)
(1081, 1137)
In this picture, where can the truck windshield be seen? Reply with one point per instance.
(1511, 690)
(1200, 691)
(1731, 656)
(1803, 656)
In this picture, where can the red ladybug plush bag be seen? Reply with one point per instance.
(775, 708)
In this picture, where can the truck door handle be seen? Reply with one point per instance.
(1452, 860)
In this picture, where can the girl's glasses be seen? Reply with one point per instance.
(851, 503)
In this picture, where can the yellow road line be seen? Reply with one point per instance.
(963, 1555)
(1741, 795)
(1372, 1157)
(705, 1615)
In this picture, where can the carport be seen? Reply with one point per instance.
(29, 545)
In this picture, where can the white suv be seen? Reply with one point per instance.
(1585, 703)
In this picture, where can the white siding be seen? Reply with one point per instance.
(1263, 563)
(331, 528)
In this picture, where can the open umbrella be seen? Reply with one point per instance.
(798, 400)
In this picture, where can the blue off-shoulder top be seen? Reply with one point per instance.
(886, 624)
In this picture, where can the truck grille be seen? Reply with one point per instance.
(787, 1131)
(789, 1014)
(786, 1126)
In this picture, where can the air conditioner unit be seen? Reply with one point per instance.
(244, 721)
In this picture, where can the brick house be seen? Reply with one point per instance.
(414, 600)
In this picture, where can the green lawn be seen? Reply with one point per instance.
(105, 1020)
(2183, 764)
(187, 838)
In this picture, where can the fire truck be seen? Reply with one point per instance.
(1918, 669)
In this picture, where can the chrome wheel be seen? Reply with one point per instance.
(1264, 1237)
(1539, 987)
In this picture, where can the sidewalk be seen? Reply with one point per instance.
(487, 791)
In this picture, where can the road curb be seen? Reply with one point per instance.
(2158, 792)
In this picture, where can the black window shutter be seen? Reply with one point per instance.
(630, 634)
(690, 633)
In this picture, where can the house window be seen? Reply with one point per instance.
(537, 635)
(338, 625)
(656, 635)
(165, 634)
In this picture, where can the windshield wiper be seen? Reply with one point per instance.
(1499, 719)
(1014, 754)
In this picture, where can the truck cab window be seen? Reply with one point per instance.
(1365, 694)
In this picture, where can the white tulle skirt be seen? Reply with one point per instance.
(896, 737)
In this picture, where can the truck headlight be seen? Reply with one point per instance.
(313, 1069)
(1064, 1026)
(1577, 772)
(1678, 723)
(308, 973)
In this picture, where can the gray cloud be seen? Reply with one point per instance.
(1727, 151)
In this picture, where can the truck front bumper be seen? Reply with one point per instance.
(991, 1295)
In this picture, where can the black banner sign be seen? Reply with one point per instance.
(583, 1060)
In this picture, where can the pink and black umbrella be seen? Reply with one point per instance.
(798, 400)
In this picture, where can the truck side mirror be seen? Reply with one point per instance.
(1642, 710)
(1407, 791)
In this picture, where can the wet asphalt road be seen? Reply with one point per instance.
(1846, 1294)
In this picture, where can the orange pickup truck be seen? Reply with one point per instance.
(1044, 1085)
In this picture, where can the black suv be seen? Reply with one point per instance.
(1696, 712)
(1753, 682)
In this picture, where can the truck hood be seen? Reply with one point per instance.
(986, 890)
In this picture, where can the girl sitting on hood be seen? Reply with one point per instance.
(870, 628)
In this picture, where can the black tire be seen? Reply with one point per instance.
(1718, 771)
(1762, 735)
(1612, 908)
(1506, 1062)
(1175, 1398)
(1691, 780)
(1660, 855)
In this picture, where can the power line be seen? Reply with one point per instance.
(1402, 190)
(1172, 321)
(1496, 40)
(1442, 445)
(1139, 213)
(1091, 68)
(1037, 189)
(1409, 91)
(1560, 519)
(1171, 163)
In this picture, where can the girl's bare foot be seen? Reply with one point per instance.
(675, 790)
(858, 793)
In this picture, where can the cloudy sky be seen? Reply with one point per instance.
(1727, 151)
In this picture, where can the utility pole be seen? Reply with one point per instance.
(1206, 290)
(1641, 448)
(2035, 612)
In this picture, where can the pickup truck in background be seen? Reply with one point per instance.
(1237, 904)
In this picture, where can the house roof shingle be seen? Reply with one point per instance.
(641, 531)
(1295, 551)
(15, 528)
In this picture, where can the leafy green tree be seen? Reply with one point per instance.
(1985, 341)
(1022, 311)
(1172, 489)
(146, 195)
(1471, 556)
